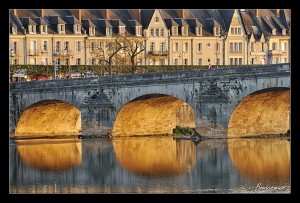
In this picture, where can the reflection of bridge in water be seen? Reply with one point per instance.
(212, 97)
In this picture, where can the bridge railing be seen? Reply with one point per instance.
(81, 71)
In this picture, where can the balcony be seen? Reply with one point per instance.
(65, 53)
(275, 52)
(14, 54)
(158, 53)
(257, 53)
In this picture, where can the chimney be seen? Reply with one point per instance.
(78, 14)
(41, 13)
(180, 13)
(278, 12)
(256, 13)
(15, 12)
(105, 15)
(136, 14)
(139, 15)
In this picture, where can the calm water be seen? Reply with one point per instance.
(150, 165)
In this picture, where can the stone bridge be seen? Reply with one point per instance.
(237, 101)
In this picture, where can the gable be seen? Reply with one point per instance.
(156, 20)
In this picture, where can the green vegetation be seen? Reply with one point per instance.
(183, 130)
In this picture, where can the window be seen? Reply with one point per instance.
(252, 61)
(199, 31)
(274, 47)
(176, 46)
(236, 61)
(16, 61)
(232, 31)
(186, 46)
(57, 47)
(283, 46)
(139, 31)
(67, 61)
(175, 30)
(208, 45)
(239, 31)
(33, 61)
(184, 31)
(199, 61)
(240, 47)
(77, 29)
(276, 60)
(176, 62)
(231, 47)
(78, 61)
(44, 29)
(262, 47)
(66, 46)
(162, 48)
(93, 61)
(231, 61)
(78, 46)
(108, 31)
(31, 29)
(45, 46)
(162, 62)
(283, 31)
(15, 48)
(284, 60)
(199, 47)
(208, 60)
(152, 32)
(122, 30)
(152, 46)
(156, 19)
(274, 32)
(218, 61)
(217, 47)
(58, 61)
(240, 61)
(185, 61)
(236, 46)
(92, 31)
(157, 32)
(252, 46)
(61, 28)
(161, 32)
(14, 30)
(93, 44)
(217, 31)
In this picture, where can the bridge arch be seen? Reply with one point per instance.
(153, 114)
(263, 112)
(49, 118)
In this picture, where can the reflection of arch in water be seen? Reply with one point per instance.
(265, 112)
(153, 114)
(155, 156)
(261, 158)
(49, 117)
(55, 155)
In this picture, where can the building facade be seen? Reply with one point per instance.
(157, 36)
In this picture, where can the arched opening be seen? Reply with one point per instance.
(154, 114)
(49, 118)
(265, 112)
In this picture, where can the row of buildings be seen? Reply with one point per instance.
(169, 37)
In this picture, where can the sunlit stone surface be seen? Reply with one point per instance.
(261, 158)
(153, 116)
(261, 114)
(155, 156)
(45, 154)
(49, 118)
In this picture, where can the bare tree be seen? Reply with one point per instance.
(104, 50)
(134, 46)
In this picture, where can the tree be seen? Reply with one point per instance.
(104, 50)
(134, 46)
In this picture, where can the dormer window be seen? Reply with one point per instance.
(32, 29)
(217, 31)
(184, 30)
(175, 30)
(43, 29)
(92, 31)
(274, 32)
(14, 30)
(108, 31)
(61, 28)
(199, 31)
(138, 31)
(77, 29)
(122, 30)
(284, 32)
